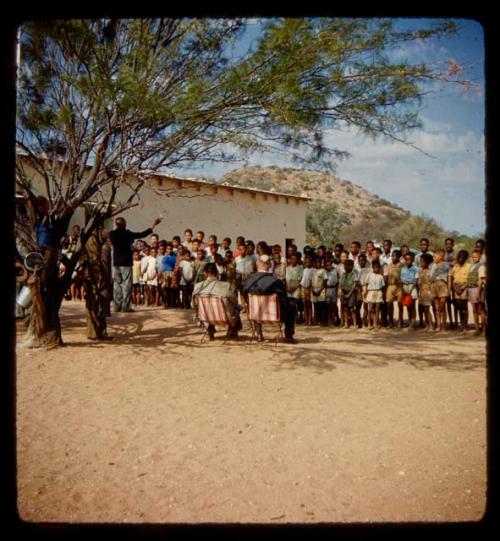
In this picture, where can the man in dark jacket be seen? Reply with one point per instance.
(265, 283)
(121, 239)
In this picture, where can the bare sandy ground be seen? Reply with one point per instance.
(157, 427)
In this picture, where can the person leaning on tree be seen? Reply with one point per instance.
(94, 275)
(121, 239)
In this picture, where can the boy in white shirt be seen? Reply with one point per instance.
(374, 296)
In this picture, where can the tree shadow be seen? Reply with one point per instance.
(327, 359)
(318, 349)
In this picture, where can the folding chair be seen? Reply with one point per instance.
(210, 311)
(264, 309)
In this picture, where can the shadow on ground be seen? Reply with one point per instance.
(318, 349)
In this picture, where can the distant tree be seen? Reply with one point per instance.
(324, 222)
(100, 100)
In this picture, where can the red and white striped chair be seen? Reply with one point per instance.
(210, 311)
(264, 309)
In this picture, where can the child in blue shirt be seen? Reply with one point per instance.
(168, 265)
(408, 276)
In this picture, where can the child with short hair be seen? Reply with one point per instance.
(279, 267)
(305, 289)
(293, 277)
(424, 289)
(186, 281)
(374, 296)
(331, 292)
(392, 275)
(221, 269)
(363, 272)
(159, 272)
(212, 239)
(230, 269)
(439, 287)
(212, 251)
(343, 257)
(199, 265)
(318, 293)
(409, 275)
(188, 239)
(200, 236)
(457, 285)
(152, 277)
(176, 277)
(225, 246)
(337, 250)
(144, 267)
(476, 285)
(404, 248)
(136, 278)
(239, 241)
(349, 285)
(168, 266)
(176, 243)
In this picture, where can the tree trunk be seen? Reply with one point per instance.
(44, 327)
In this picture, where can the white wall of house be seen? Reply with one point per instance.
(219, 210)
(215, 209)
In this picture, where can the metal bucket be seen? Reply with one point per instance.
(24, 298)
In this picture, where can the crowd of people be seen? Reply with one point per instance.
(352, 287)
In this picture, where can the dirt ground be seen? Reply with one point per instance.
(345, 426)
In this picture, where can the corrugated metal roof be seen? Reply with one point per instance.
(208, 183)
(228, 186)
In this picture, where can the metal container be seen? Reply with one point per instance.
(24, 298)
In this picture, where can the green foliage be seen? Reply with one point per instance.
(407, 229)
(324, 223)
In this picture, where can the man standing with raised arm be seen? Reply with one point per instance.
(121, 239)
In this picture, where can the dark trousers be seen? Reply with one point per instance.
(187, 292)
(288, 310)
(321, 312)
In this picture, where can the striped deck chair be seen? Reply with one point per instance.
(264, 309)
(210, 311)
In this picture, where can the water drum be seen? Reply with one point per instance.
(24, 299)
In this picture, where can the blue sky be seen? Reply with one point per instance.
(450, 186)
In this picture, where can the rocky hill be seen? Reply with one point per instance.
(355, 200)
(341, 210)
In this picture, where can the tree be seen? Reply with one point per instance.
(324, 223)
(102, 100)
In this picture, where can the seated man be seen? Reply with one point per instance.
(263, 282)
(211, 286)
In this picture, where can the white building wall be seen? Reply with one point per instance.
(220, 211)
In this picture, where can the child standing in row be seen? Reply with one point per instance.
(331, 292)
(374, 297)
(318, 293)
(457, 285)
(394, 288)
(439, 287)
(364, 271)
(186, 282)
(349, 285)
(424, 289)
(137, 287)
(305, 289)
(476, 284)
(167, 276)
(409, 275)
(293, 276)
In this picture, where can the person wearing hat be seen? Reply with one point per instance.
(263, 282)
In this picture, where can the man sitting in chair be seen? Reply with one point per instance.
(211, 286)
(263, 282)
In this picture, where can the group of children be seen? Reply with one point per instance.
(349, 288)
